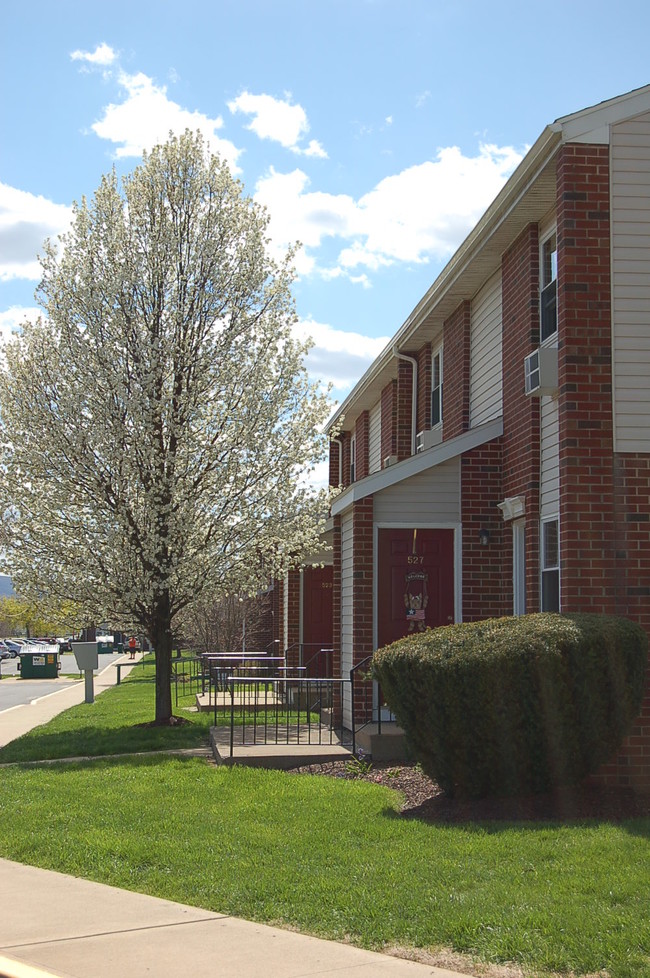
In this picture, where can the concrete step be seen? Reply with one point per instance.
(389, 745)
(273, 756)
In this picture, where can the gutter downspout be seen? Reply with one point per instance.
(340, 444)
(414, 394)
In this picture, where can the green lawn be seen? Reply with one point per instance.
(333, 857)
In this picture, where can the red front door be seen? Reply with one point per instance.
(317, 624)
(415, 588)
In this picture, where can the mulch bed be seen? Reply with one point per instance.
(424, 800)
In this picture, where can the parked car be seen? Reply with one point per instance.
(14, 647)
(65, 645)
(4, 651)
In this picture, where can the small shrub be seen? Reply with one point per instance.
(515, 705)
(359, 765)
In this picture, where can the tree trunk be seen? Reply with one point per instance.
(161, 638)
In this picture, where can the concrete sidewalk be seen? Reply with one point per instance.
(78, 929)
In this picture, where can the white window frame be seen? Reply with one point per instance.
(353, 458)
(547, 566)
(547, 278)
(436, 389)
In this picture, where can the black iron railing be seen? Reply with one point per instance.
(287, 708)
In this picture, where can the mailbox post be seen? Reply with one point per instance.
(87, 660)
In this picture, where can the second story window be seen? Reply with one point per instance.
(436, 388)
(548, 296)
(353, 457)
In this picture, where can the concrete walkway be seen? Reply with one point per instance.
(78, 929)
(57, 925)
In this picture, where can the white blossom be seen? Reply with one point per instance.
(156, 419)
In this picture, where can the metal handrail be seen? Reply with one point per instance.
(285, 709)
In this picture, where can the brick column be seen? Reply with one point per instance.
(521, 413)
(587, 546)
(483, 573)
(362, 535)
(337, 705)
(404, 408)
(362, 434)
(334, 468)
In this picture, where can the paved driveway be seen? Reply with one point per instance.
(17, 693)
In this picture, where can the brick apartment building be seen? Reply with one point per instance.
(495, 457)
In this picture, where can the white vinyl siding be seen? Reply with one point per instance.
(374, 439)
(431, 497)
(550, 458)
(485, 392)
(630, 209)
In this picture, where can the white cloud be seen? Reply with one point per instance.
(146, 115)
(103, 55)
(297, 214)
(418, 215)
(338, 356)
(25, 221)
(277, 120)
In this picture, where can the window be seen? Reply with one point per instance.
(550, 566)
(436, 388)
(548, 297)
(353, 457)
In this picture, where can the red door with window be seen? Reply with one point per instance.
(317, 626)
(415, 582)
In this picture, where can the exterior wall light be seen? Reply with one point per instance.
(484, 537)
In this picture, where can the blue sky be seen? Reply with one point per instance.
(375, 131)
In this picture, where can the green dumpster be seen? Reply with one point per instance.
(104, 647)
(36, 664)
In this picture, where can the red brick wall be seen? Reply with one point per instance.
(455, 373)
(362, 537)
(277, 606)
(345, 442)
(362, 432)
(335, 450)
(362, 619)
(483, 584)
(521, 413)
(424, 387)
(292, 583)
(632, 527)
(587, 547)
(404, 408)
(604, 506)
(336, 603)
(389, 420)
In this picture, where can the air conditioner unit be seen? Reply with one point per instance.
(427, 439)
(540, 371)
(389, 460)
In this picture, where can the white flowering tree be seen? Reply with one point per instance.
(157, 421)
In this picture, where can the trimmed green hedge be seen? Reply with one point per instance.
(515, 705)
